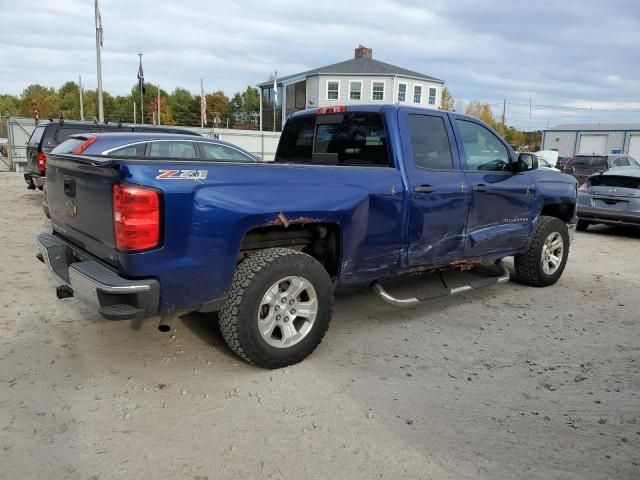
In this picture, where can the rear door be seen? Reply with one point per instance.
(502, 207)
(438, 191)
(33, 147)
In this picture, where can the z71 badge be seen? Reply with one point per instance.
(181, 174)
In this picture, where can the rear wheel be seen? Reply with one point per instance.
(582, 225)
(279, 308)
(543, 263)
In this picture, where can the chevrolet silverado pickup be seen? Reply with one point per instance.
(356, 194)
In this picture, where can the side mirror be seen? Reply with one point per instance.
(526, 161)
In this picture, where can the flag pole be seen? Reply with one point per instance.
(158, 104)
(134, 112)
(275, 98)
(98, 46)
(81, 103)
(141, 85)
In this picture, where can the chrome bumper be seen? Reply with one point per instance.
(115, 297)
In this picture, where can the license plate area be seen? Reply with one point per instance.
(610, 204)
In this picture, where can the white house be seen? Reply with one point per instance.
(358, 80)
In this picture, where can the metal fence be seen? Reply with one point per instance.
(17, 130)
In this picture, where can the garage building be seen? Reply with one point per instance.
(593, 139)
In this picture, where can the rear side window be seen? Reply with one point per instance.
(357, 139)
(430, 142)
(36, 135)
(621, 162)
(129, 151)
(173, 149)
(215, 151)
(590, 161)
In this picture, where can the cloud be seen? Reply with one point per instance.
(556, 52)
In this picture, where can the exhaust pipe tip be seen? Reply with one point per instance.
(166, 323)
(63, 291)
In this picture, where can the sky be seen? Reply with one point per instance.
(583, 55)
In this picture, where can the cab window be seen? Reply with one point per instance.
(430, 142)
(130, 151)
(482, 149)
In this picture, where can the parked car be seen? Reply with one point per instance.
(611, 197)
(543, 163)
(356, 194)
(154, 145)
(46, 136)
(582, 166)
(150, 145)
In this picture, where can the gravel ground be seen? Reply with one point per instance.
(504, 383)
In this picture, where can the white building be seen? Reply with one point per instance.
(358, 80)
(593, 139)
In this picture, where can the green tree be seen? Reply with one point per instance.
(40, 99)
(9, 105)
(185, 107)
(218, 107)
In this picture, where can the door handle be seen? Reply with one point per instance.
(480, 188)
(424, 189)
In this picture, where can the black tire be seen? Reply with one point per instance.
(528, 265)
(239, 315)
(582, 225)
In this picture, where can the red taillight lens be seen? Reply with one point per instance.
(85, 145)
(331, 110)
(42, 162)
(136, 218)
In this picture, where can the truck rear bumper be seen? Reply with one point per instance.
(115, 297)
(34, 180)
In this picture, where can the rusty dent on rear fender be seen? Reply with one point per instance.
(281, 219)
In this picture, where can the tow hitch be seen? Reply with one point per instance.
(434, 293)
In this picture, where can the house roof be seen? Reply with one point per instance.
(594, 127)
(357, 66)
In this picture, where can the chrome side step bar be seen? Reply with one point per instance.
(442, 292)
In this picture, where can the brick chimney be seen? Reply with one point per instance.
(363, 52)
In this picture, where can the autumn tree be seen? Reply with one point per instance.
(41, 99)
(448, 102)
(481, 111)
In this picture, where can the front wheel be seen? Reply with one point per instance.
(543, 263)
(279, 308)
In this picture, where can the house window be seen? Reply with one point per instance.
(355, 90)
(432, 96)
(402, 92)
(333, 90)
(417, 94)
(377, 91)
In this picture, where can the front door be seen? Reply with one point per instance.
(502, 206)
(438, 192)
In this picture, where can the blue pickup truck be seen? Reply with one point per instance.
(356, 194)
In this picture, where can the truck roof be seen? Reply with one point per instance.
(374, 108)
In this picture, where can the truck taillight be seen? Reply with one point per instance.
(331, 110)
(85, 145)
(136, 217)
(42, 162)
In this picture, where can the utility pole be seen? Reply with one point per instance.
(504, 112)
(98, 47)
(81, 104)
(529, 122)
(134, 112)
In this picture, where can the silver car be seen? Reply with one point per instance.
(611, 197)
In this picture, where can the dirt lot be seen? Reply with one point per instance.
(508, 382)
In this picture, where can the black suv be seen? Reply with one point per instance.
(48, 135)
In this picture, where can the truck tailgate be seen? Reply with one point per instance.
(80, 199)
